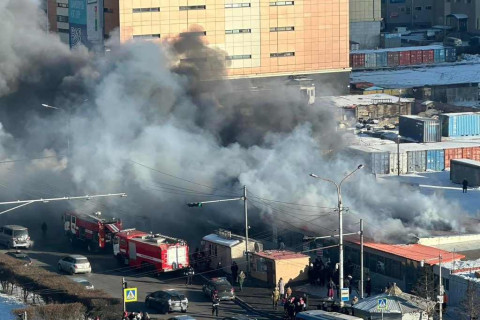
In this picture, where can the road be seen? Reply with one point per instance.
(107, 275)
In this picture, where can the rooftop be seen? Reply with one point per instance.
(466, 161)
(221, 241)
(280, 255)
(415, 252)
(422, 76)
(350, 101)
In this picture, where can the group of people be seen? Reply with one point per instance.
(319, 272)
(291, 305)
(135, 316)
(237, 277)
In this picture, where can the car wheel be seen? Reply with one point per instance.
(165, 309)
(184, 310)
(72, 271)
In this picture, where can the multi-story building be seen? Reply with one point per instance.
(57, 15)
(409, 13)
(365, 23)
(259, 39)
(461, 15)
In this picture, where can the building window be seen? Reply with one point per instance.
(282, 54)
(201, 7)
(62, 5)
(428, 7)
(237, 5)
(278, 29)
(239, 57)
(107, 10)
(62, 19)
(235, 31)
(139, 10)
(281, 3)
(63, 30)
(418, 8)
(193, 34)
(146, 36)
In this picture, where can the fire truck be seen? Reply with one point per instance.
(155, 252)
(95, 230)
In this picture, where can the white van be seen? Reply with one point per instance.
(13, 236)
(324, 315)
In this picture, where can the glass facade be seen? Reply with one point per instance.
(314, 37)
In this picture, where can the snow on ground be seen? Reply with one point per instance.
(423, 76)
(439, 183)
(7, 304)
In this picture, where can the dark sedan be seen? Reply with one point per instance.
(167, 301)
(221, 286)
(20, 256)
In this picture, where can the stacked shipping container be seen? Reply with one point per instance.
(465, 170)
(420, 129)
(460, 124)
(415, 157)
(383, 58)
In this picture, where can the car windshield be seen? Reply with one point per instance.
(81, 260)
(20, 233)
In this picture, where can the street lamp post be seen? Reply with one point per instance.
(340, 222)
(68, 123)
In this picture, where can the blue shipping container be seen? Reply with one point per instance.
(420, 129)
(436, 160)
(460, 124)
(450, 54)
(439, 55)
(382, 59)
(370, 60)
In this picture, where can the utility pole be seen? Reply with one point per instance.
(340, 224)
(246, 228)
(245, 204)
(440, 288)
(361, 258)
(398, 134)
(124, 286)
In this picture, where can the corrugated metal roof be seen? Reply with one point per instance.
(466, 161)
(280, 254)
(415, 252)
(221, 241)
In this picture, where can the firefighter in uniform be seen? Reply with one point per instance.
(189, 273)
(215, 304)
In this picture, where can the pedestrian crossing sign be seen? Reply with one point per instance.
(382, 304)
(130, 294)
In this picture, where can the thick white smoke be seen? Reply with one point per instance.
(133, 109)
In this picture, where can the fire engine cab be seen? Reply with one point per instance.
(154, 251)
(95, 230)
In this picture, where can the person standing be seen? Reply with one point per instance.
(368, 287)
(215, 304)
(234, 269)
(190, 272)
(465, 185)
(330, 286)
(281, 287)
(241, 279)
(275, 297)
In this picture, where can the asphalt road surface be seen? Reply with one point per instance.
(107, 275)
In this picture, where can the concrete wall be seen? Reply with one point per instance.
(458, 288)
(291, 270)
(366, 33)
(406, 13)
(435, 241)
(365, 10)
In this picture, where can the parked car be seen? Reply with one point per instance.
(221, 286)
(13, 236)
(21, 256)
(84, 282)
(74, 263)
(167, 301)
(451, 41)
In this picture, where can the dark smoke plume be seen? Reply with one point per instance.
(156, 121)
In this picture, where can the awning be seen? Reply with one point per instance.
(458, 16)
(113, 228)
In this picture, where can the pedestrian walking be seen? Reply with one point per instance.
(305, 300)
(234, 269)
(291, 308)
(349, 284)
(215, 304)
(275, 298)
(281, 287)
(368, 287)
(288, 294)
(131, 316)
(146, 316)
(189, 272)
(465, 185)
(139, 316)
(125, 315)
(241, 279)
(330, 286)
(354, 302)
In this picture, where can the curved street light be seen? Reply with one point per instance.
(340, 222)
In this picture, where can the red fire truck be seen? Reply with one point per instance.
(153, 251)
(95, 230)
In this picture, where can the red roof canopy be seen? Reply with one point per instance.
(415, 252)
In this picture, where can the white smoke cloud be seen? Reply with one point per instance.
(140, 109)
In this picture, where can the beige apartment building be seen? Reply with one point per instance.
(365, 23)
